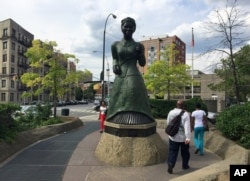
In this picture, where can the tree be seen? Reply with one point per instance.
(242, 63)
(162, 78)
(82, 77)
(227, 26)
(55, 78)
(167, 75)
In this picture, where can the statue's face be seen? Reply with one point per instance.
(128, 30)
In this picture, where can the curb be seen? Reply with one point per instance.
(29, 137)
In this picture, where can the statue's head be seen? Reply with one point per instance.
(130, 21)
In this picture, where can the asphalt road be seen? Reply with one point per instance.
(79, 110)
(47, 159)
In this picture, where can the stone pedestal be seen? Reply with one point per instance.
(131, 151)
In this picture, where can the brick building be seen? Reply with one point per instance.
(155, 45)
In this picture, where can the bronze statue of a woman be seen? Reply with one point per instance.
(129, 102)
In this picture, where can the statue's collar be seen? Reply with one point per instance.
(127, 42)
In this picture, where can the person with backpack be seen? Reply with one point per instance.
(181, 139)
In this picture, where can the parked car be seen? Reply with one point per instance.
(96, 102)
(83, 102)
(24, 110)
(211, 116)
(61, 103)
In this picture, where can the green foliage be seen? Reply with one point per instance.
(34, 117)
(226, 72)
(53, 64)
(234, 123)
(191, 104)
(7, 123)
(7, 134)
(53, 120)
(162, 78)
(161, 108)
(11, 123)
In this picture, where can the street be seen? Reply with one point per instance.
(79, 110)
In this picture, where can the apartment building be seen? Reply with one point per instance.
(14, 41)
(155, 45)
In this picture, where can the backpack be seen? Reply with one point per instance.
(173, 126)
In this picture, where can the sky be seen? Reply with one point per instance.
(78, 25)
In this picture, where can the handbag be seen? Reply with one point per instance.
(205, 124)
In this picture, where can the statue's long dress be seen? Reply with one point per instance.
(129, 102)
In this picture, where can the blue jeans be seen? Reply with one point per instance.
(174, 150)
(199, 139)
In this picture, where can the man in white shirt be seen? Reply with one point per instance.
(181, 139)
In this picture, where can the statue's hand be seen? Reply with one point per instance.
(117, 69)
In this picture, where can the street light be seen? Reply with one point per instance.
(108, 78)
(103, 57)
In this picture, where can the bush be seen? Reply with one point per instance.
(53, 120)
(7, 123)
(234, 123)
(11, 122)
(160, 108)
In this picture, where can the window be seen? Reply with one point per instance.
(3, 96)
(12, 58)
(4, 57)
(4, 70)
(12, 84)
(13, 33)
(5, 32)
(12, 97)
(13, 46)
(3, 83)
(5, 45)
(12, 70)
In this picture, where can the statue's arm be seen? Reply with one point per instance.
(116, 67)
(141, 57)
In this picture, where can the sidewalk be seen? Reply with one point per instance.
(83, 166)
(70, 157)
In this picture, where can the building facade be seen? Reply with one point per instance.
(14, 41)
(215, 100)
(154, 46)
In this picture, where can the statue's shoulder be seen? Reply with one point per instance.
(115, 43)
(140, 44)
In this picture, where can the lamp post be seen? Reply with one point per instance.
(103, 57)
(108, 78)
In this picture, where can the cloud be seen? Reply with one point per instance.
(78, 26)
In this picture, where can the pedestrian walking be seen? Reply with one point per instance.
(180, 140)
(198, 122)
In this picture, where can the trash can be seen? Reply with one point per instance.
(65, 112)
